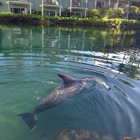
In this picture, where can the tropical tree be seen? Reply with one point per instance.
(118, 12)
(103, 12)
(94, 13)
(134, 11)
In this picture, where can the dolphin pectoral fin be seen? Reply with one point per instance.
(67, 79)
(30, 119)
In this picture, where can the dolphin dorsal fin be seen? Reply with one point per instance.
(67, 79)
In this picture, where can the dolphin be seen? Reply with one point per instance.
(69, 88)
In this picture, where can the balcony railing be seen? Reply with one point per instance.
(20, 1)
(79, 4)
(52, 2)
(124, 5)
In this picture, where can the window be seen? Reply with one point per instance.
(100, 4)
(46, 13)
(72, 14)
(76, 14)
(49, 13)
(52, 13)
(77, 3)
(18, 10)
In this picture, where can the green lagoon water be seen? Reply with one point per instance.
(31, 58)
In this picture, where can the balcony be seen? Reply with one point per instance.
(124, 5)
(79, 5)
(20, 2)
(52, 3)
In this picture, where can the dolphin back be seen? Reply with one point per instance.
(30, 119)
(66, 79)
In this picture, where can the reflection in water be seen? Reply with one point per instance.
(31, 57)
(115, 50)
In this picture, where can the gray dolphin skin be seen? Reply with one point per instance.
(69, 88)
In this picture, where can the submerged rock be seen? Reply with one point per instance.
(83, 135)
(89, 135)
(107, 136)
(130, 138)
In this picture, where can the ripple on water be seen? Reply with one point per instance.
(30, 62)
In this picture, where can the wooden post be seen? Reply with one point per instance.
(86, 9)
(70, 6)
(117, 4)
(8, 5)
(30, 6)
(108, 3)
(95, 3)
(60, 9)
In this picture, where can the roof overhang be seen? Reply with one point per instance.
(19, 3)
(51, 6)
(78, 8)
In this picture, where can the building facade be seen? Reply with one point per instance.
(55, 7)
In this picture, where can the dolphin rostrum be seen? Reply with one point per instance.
(69, 88)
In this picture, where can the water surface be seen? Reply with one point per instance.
(31, 58)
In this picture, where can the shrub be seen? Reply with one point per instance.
(66, 13)
(110, 13)
(118, 12)
(103, 12)
(33, 11)
(52, 18)
(134, 11)
(94, 13)
(73, 20)
(38, 13)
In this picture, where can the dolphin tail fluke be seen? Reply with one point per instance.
(30, 119)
